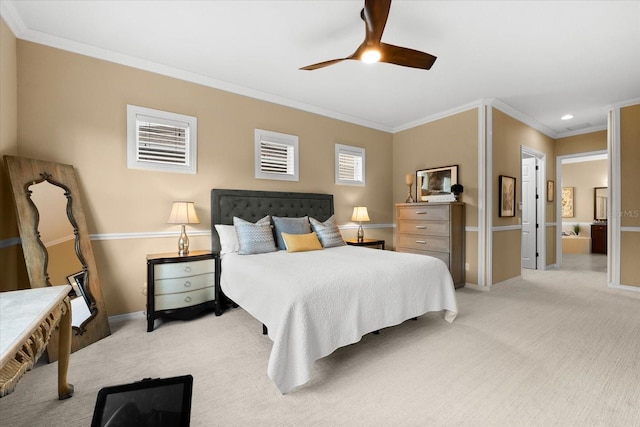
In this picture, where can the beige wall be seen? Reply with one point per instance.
(583, 143)
(630, 195)
(583, 177)
(11, 259)
(72, 109)
(449, 141)
(508, 137)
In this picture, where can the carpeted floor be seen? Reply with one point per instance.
(552, 348)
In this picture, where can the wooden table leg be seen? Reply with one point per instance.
(65, 390)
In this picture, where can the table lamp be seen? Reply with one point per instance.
(183, 213)
(360, 214)
(409, 181)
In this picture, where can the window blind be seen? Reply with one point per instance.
(276, 158)
(162, 141)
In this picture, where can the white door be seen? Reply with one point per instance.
(529, 208)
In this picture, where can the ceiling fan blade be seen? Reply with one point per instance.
(323, 64)
(406, 57)
(375, 14)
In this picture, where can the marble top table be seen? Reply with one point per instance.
(27, 320)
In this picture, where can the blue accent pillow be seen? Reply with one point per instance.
(328, 232)
(289, 226)
(254, 238)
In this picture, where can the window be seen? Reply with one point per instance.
(350, 165)
(161, 141)
(276, 155)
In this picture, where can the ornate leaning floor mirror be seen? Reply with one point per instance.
(56, 245)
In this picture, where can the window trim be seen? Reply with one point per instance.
(174, 119)
(277, 138)
(353, 151)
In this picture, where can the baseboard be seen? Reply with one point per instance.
(127, 316)
(624, 287)
(477, 287)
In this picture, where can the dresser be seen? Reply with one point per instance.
(434, 229)
(182, 286)
(599, 238)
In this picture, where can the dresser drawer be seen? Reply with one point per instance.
(443, 256)
(433, 212)
(184, 284)
(184, 299)
(183, 269)
(431, 243)
(430, 228)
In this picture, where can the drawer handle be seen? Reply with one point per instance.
(187, 299)
(421, 227)
(421, 212)
(187, 284)
(422, 242)
(187, 269)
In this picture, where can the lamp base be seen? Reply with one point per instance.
(409, 196)
(360, 234)
(183, 242)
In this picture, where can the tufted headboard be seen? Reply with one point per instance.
(252, 205)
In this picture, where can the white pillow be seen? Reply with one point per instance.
(228, 238)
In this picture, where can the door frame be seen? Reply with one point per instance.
(541, 230)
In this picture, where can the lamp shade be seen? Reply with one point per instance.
(183, 213)
(360, 214)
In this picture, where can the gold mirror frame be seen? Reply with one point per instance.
(23, 173)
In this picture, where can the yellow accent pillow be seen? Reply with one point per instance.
(301, 242)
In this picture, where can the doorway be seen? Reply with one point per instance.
(582, 173)
(533, 248)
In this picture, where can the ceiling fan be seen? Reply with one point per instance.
(372, 49)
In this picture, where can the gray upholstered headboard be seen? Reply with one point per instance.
(252, 205)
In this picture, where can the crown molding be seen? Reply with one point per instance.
(438, 116)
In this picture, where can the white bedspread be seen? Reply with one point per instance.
(315, 302)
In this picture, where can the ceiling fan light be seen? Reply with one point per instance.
(370, 56)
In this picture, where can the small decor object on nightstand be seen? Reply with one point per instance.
(409, 181)
(360, 214)
(183, 213)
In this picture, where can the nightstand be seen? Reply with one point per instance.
(182, 286)
(366, 242)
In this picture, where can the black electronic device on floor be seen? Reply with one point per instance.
(159, 402)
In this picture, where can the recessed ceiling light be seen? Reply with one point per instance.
(567, 117)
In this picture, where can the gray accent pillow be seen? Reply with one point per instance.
(254, 238)
(290, 226)
(328, 232)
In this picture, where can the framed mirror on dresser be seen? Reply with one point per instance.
(56, 245)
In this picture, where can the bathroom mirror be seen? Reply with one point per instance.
(56, 245)
(600, 204)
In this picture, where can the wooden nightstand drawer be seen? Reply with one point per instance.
(184, 284)
(431, 228)
(435, 212)
(184, 299)
(184, 269)
(416, 241)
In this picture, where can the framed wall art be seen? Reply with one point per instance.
(435, 183)
(507, 198)
(567, 202)
(551, 189)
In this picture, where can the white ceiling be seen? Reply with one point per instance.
(542, 58)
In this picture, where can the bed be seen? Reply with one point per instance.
(314, 302)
